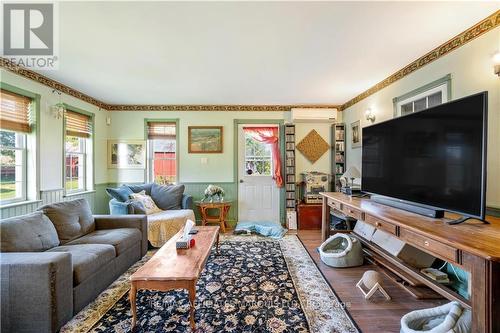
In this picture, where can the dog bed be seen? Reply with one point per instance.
(446, 318)
(341, 250)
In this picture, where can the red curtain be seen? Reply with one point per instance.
(269, 135)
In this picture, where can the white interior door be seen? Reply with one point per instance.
(258, 195)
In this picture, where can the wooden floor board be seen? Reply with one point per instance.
(372, 316)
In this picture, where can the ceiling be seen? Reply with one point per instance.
(247, 52)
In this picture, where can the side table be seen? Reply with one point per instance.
(309, 216)
(223, 209)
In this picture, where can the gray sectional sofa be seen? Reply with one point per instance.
(57, 260)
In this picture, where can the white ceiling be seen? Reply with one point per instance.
(247, 52)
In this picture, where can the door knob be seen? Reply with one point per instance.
(241, 180)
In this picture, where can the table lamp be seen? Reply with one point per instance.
(351, 174)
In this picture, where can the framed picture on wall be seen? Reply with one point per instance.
(205, 139)
(126, 154)
(355, 134)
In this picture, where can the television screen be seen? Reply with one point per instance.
(435, 157)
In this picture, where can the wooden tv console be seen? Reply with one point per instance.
(473, 246)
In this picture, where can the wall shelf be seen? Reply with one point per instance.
(338, 154)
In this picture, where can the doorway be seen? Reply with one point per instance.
(258, 195)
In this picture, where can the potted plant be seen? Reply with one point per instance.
(213, 191)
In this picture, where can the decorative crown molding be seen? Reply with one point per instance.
(29, 74)
(463, 38)
(232, 107)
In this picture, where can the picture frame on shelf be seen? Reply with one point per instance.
(356, 134)
(205, 139)
(126, 154)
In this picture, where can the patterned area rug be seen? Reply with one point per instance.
(253, 285)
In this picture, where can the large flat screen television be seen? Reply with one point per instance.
(435, 157)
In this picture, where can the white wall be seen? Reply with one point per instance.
(51, 136)
(471, 69)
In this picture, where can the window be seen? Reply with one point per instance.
(77, 145)
(421, 103)
(433, 94)
(16, 121)
(258, 157)
(13, 173)
(162, 152)
(75, 163)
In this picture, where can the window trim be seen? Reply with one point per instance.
(148, 170)
(86, 165)
(444, 84)
(24, 164)
(83, 153)
(32, 185)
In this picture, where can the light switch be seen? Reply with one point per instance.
(204, 160)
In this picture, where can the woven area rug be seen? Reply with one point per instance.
(253, 285)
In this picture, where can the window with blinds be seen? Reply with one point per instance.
(15, 112)
(161, 130)
(162, 152)
(78, 157)
(78, 124)
(15, 125)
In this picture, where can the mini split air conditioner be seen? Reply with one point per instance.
(313, 115)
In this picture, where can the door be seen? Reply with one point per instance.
(258, 195)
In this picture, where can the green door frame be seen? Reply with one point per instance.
(281, 125)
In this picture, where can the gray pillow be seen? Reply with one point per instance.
(72, 219)
(167, 197)
(138, 188)
(120, 193)
(137, 207)
(28, 233)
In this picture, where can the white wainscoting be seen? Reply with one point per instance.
(46, 197)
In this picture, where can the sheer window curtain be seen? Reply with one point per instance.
(269, 135)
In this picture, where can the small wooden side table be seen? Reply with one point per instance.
(223, 208)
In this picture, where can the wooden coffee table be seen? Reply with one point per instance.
(170, 268)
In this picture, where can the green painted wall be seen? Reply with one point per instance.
(51, 132)
(471, 70)
(196, 190)
(130, 125)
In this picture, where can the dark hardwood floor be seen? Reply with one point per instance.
(372, 316)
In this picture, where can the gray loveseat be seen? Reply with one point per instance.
(57, 260)
(175, 206)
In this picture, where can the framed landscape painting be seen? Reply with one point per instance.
(356, 135)
(205, 139)
(126, 154)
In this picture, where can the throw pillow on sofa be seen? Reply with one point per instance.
(168, 197)
(72, 219)
(148, 203)
(137, 207)
(121, 193)
(141, 187)
(28, 233)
